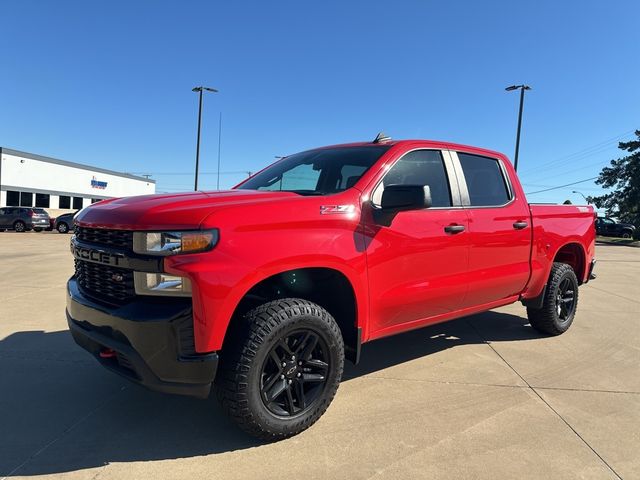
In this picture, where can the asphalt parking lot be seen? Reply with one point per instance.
(480, 397)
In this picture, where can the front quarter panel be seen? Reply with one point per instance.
(258, 241)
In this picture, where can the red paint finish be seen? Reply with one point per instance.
(404, 275)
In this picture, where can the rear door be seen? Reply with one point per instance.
(417, 264)
(499, 230)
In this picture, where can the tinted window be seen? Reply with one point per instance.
(64, 202)
(420, 167)
(485, 181)
(77, 202)
(317, 172)
(13, 198)
(26, 199)
(42, 200)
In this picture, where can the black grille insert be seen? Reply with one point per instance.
(112, 238)
(103, 282)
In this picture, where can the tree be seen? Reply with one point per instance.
(623, 176)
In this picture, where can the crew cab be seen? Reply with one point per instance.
(264, 290)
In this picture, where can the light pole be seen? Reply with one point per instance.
(522, 89)
(580, 193)
(200, 89)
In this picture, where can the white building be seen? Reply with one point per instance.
(29, 180)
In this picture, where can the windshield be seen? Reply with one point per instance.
(317, 172)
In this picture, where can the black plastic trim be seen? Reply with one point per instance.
(535, 302)
(146, 336)
(114, 257)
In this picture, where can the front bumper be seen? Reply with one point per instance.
(148, 341)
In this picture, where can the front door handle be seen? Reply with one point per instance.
(454, 229)
(520, 225)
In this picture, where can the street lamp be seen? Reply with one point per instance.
(522, 89)
(200, 89)
(580, 193)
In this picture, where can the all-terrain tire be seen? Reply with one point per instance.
(557, 312)
(251, 344)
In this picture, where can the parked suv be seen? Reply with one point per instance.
(22, 219)
(610, 228)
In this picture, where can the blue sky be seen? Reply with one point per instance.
(109, 83)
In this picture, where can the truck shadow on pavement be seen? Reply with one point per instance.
(61, 411)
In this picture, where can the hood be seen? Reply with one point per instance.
(169, 211)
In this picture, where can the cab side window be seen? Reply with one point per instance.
(485, 181)
(420, 167)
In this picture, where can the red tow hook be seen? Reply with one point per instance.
(107, 353)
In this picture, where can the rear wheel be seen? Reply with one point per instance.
(626, 234)
(62, 227)
(19, 226)
(560, 302)
(280, 368)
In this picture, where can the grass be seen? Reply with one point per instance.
(628, 242)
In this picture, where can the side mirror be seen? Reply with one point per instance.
(398, 198)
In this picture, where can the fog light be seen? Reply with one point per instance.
(161, 284)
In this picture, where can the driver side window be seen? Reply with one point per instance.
(420, 167)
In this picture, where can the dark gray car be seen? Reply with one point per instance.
(22, 219)
(64, 223)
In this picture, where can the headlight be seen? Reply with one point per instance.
(161, 284)
(174, 243)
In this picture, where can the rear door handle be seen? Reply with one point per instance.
(454, 229)
(520, 225)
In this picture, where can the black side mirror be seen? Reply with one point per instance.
(398, 198)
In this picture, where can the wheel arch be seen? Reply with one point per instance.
(574, 255)
(328, 287)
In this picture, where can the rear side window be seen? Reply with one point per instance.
(420, 167)
(485, 181)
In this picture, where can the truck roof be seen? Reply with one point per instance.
(422, 143)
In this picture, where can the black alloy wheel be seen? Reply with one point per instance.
(280, 367)
(565, 300)
(559, 304)
(294, 374)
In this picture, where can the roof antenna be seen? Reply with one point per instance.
(381, 138)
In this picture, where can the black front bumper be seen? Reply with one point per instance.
(149, 341)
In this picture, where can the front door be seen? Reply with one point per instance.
(417, 262)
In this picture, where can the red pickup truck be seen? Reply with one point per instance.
(265, 289)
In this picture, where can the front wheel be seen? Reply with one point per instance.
(280, 368)
(19, 226)
(560, 302)
(62, 227)
(626, 235)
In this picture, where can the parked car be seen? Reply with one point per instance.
(265, 289)
(41, 213)
(610, 228)
(64, 222)
(22, 219)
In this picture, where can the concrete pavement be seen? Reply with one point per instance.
(480, 397)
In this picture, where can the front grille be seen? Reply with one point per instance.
(112, 238)
(106, 283)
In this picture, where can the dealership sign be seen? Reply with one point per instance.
(98, 184)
